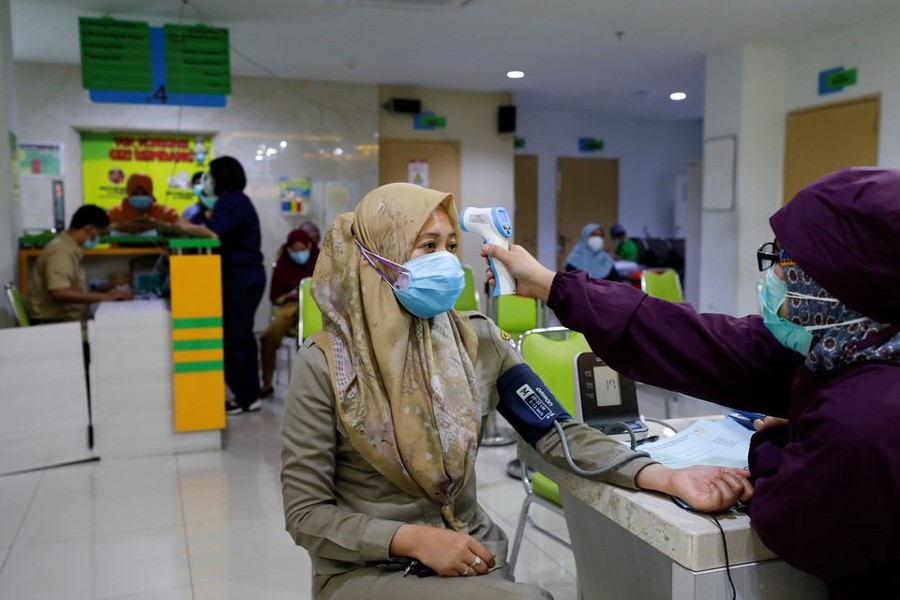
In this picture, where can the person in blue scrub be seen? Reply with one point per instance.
(235, 223)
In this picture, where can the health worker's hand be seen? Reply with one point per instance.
(705, 488)
(450, 553)
(768, 421)
(532, 278)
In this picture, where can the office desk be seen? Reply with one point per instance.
(632, 544)
(26, 255)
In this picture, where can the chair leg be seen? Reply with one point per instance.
(520, 533)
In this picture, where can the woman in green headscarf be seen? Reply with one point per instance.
(386, 410)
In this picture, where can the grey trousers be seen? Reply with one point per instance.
(371, 583)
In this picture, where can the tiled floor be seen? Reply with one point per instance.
(209, 525)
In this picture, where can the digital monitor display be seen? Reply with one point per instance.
(606, 386)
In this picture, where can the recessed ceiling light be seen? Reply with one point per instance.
(515, 74)
(677, 96)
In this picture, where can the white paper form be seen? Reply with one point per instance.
(723, 443)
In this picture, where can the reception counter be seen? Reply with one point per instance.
(633, 544)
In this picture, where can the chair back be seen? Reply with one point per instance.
(662, 284)
(16, 304)
(516, 314)
(310, 315)
(468, 299)
(551, 355)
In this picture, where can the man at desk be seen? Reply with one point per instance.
(59, 288)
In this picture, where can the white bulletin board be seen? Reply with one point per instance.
(719, 160)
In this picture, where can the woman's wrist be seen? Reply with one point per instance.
(405, 540)
(654, 477)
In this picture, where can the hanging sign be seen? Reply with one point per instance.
(586, 144)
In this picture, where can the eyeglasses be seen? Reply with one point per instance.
(767, 255)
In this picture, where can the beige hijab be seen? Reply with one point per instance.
(405, 386)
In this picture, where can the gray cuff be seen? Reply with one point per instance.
(375, 541)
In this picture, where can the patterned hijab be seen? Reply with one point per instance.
(597, 264)
(405, 387)
(863, 339)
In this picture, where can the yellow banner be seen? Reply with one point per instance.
(108, 159)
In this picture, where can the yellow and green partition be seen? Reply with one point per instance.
(197, 350)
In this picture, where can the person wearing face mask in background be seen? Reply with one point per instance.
(235, 223)
(823, 360)
(139, 211)
(59, 289)
(387, 407)
(588, 255)
(199, 212)
(295, 261)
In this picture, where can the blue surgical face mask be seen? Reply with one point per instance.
(209, 194)
(208, 201)
(427, 285)
(301, 257)
(771, 296)
(140, 201)
(198, 190)
(91, 243)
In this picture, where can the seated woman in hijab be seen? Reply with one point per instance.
(387, 407)
(588, 255)
(295, 262)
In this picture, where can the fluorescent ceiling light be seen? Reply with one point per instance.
(515, 74)
(677, 96)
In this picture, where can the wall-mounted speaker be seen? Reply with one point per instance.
(506, 119)
(403, 105)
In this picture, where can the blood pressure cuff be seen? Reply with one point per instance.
(527, 404)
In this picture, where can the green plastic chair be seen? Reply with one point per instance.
(310, 315)
(516, 314)
(551, 354)
(662, 283)
(17, 305)
(468, 299)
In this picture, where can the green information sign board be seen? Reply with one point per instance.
(841, 79)
(115, 55)
(198, 60)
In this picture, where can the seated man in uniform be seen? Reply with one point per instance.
(59, 287)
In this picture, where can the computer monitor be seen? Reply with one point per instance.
(604, 398)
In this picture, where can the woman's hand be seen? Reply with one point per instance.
(705, 488)
(450, 553)
(768, 421)
(532, 278)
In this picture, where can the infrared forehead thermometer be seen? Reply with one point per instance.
(494, 226)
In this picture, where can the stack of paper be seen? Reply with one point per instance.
(724, 443)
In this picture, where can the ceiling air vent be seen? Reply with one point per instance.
(418, 4)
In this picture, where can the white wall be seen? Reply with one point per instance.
(744, 97)
(651, 154)
(312, 117)
(9, 211)
(486, 157)
(874, 50)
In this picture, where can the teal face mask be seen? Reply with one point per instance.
(301, 257)
(771, 296)
(208, 201)
(198, 190)
(140, 201)
(91, 243)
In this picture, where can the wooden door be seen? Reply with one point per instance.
(442, 158)
(827, 138)
(526, 195)
(587, 192)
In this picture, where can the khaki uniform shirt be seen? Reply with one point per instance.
(345, 513)
(58, 267)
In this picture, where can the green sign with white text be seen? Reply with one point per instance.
(115, 55)
(197, 59)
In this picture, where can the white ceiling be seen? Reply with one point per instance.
(569, 49)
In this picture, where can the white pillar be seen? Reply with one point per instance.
(10, 213)
(744, 97)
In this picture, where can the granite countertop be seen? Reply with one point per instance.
(692, 540)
